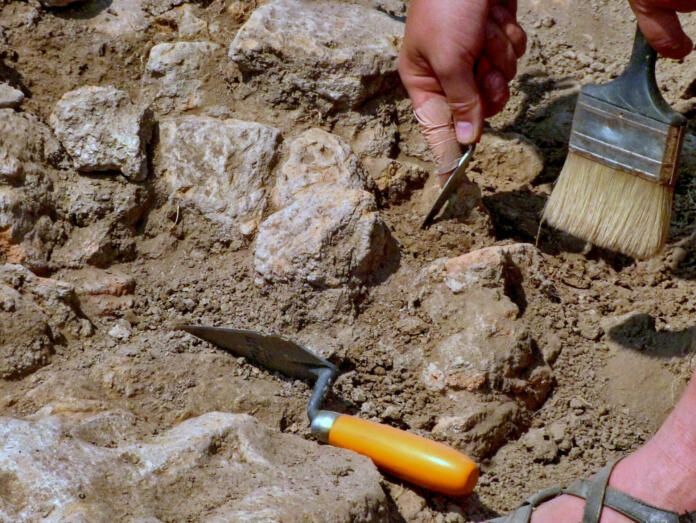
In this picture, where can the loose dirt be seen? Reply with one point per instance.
(618, 334)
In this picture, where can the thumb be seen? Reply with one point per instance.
(465, 102)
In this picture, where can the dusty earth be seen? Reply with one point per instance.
(234, 162)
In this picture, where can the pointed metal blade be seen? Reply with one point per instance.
(454, 181)
(268, 350)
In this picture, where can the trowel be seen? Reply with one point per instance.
(423, 462)
(453, 182)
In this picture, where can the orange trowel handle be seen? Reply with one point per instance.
(418, 460)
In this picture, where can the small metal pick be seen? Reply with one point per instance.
(451, 186)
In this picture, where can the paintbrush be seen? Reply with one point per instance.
(616, 187)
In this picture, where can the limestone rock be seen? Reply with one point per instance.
(9, 96)
(317, 157)
(187, 24)
(480, 428)
(98, 244)
(242, 471)
(508, 160)
(27, 140)
(103, 130)
(176, 70)
(102, 292)
(483, 354)
(25, 337)
(484, 346)
(326, 237)
(489, 267)
(33, 312)
(28, 150)
(542, 446)
(220, 166)
(395, 180)
(84, 201)
(339, 52)
(124, 19)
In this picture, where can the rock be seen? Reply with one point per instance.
(187, 24)
(327, 51)
(234, 463)
(124, 19)
(220, 167)
(27, 140)
(98, 244)
(484, 346)
(178, 71)
(589, 325)
(489, 267)
(34, 312)
(541, 445)
(120, 331)
(317, 157)
(55, 298)
(103, 130)
(102, 292)
(25, 337)
(484, 354)
(9, 96)
(479, 428)
(508, 160)
(395, 180)
(84, 201)
(326, 237)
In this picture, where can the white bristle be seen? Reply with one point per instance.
(610, 208)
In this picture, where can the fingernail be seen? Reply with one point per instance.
(465, 132)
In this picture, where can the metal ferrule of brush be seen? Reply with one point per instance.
(322, 423)
(626, 140)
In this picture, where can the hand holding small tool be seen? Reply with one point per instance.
(456, 61)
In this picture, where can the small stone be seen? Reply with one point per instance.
(509, 160)
(541, 446)
(120, 331)
(551, 348)
(589, 325)
(326, 237)
(337, 52)
(317, 156)
(9, 96)
(103, 130)
(219, 166)
(395, 179)
(480, 428)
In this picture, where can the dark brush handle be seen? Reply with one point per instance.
(636, 90)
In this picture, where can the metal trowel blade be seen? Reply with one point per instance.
(268, 350)
(454, 181)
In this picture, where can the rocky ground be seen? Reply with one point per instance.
(230, 162)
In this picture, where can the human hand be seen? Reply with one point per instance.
(659, 23)
(456, 61)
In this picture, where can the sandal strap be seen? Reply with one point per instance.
(594, 501)
(627, 505)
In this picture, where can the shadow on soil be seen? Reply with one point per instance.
(638, 333)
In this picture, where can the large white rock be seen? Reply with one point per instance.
(176, 72)
(317, 156)
(103, 130)
(221, 167)
(217, 467)
(326, 237)
(340, 52)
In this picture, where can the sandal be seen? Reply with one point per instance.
(597, 494)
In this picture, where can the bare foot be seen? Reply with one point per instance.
(662, 473)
